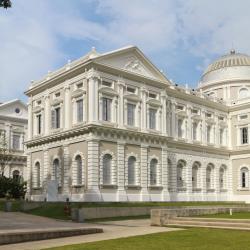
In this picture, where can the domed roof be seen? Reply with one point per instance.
(228, 67)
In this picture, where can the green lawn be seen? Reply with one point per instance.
(191, 239)
(240, 215)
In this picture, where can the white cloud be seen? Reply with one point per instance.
(33, 32)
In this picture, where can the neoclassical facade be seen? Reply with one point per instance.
(13, 131)
(112, 127)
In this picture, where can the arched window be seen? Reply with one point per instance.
(153, 172)
(36, 176)
(195, 172)
(57, 171)
(107, 164)
(79, 169)
(243, 93)
(222, 177)
(16, 175)
(180, 168)
(209, 176)
(131, 170)
(244, 177)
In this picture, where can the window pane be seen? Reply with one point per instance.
(152, 118)
(79, 108)
(131, 170)
(153, 169)
(107, 160)
(106, 109)
(16, 142)
(244, 135)
(131, 114)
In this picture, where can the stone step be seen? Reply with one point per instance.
(209, 223)
(23, 236)
(213, 219)
(208, 226)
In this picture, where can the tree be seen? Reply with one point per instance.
(4, 153)
(5, 4)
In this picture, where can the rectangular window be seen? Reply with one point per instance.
(152, 119)
(195, 131)
(55, 117)
(180, 128)
(244, 135)
(209, 134)
(131, 114)
(39, 124)
(79, 110)
(130, 90)
(106, 109)
(16, 142)
(152, 95)
(221, 136)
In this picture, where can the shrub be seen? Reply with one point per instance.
(14, 188)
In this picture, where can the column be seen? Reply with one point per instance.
(173, 119)
(121, 103)
(144, 173)
(189, 124)
(217, 131)
(164, 113)
(30, 119)
(67, 107)
(121, 194)
(164, 176)
(93, 192)
(228, 138)
(203, 127)
(46, 114)
(93, 98)
(144, 109)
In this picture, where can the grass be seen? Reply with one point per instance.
(238, 215)
(191, 239)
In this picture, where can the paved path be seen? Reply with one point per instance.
(112, 230)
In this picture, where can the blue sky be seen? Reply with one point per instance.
(181, 37)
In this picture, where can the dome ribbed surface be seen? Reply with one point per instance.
(231, 60)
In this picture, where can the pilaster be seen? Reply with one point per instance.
(144, 173)
(30, 119)
(46, 114)
(93, 192)
(93, 98)
(121, 194)
(67, 107)
(164, 173)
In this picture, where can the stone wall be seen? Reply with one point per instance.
(160, 217)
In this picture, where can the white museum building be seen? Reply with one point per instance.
(112, 127)
(13, 130)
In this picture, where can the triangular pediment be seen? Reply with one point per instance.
(131, 59)
(14, 109)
